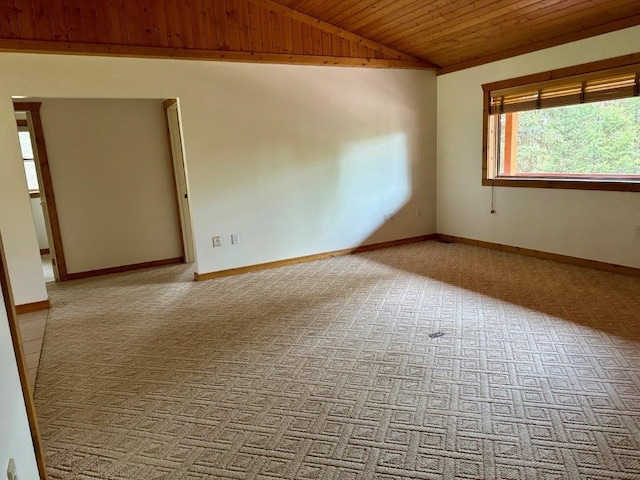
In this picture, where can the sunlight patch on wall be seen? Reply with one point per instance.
(374, 182)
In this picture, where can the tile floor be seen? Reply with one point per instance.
(32, 327)
(47, 268)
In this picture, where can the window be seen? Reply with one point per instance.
(29, 160)
(568, 128)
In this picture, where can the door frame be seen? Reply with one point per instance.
(32, 109)
(16, 339)
(178, 167)
(52, 222)
(23, 125)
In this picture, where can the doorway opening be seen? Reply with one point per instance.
(46, 182)
(34, 158)
(107, 204)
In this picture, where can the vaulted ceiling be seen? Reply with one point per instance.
(444, 34)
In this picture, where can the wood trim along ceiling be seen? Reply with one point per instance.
(447, 35)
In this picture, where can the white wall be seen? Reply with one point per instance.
(596, 225)
(15, 435)
(38, 221)
(112, 180)
(296, 159)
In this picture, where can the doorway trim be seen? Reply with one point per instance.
(16, 338)
(51, 214)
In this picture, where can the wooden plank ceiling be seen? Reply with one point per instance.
(455, 34)
(444, 34)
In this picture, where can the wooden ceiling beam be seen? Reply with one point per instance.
(72, 48)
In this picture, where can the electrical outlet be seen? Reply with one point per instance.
(12, 473)
(217, 241)
(235, 238)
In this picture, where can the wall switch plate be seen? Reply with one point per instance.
(217, 241)
(12, 473)
(235, 238)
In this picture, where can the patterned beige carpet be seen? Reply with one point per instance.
(327, 370)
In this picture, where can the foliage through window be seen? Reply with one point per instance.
(582, 128)
(601, 139)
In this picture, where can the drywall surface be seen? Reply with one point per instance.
(15, 435)
(296, 159)
(16, 223)
(112, 180)
(38, 220)
(588, 224)
(304, 160)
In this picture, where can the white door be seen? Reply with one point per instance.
(179, 167)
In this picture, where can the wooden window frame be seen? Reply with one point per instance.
(23, 125)
(577, 182)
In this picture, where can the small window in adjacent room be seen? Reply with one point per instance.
(574, 131)
(29, 161)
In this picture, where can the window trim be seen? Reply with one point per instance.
(595, 182)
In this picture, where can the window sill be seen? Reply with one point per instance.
(618, 185)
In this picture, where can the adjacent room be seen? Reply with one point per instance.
(320, 240)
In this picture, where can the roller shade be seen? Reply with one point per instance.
(569, 91)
